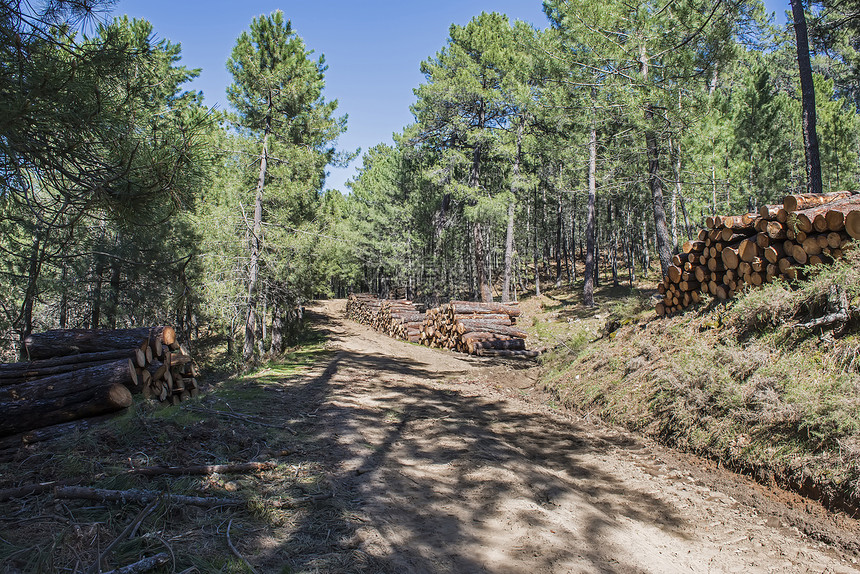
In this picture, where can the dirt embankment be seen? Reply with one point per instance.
(444, 463)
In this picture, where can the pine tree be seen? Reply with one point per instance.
(277, 93)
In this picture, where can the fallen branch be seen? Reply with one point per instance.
(235, 551)
(143, 565)
(28, 489)
(204, 469)
(840, 311)
(126, 533)
(140, 496)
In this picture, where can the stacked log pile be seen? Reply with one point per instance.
(755, 248)
(398, 318)
(483, 329)
(74, 374)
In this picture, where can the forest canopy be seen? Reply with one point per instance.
(580, 152)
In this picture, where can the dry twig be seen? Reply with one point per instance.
(236, 552)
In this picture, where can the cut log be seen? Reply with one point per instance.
(116, 372)
(807, 200)
(23, 415)
(470, 307)
(852, 224)
(469, 326)
(74, 341)
(769, 212)
(730, 257)
(749, 250)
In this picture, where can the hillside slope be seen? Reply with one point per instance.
(756, 384)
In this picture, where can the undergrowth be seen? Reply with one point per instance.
(238, 419)
(740, 382)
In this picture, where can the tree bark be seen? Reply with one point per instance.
(807, 90)
(509, 233)
(588, 288)
(62, 342)
(23, 415)
(256, 245)
(655, 183)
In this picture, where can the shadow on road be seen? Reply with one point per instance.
(432, 478)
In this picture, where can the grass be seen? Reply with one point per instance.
(737, 382)
(236, 419)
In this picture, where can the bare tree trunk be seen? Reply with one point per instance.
(478, 235)
(535, 250)
(509, 233)
(588, 288)
(115, 276)
(807, 90)
(559, 221)
(256, 245)
(655, 182)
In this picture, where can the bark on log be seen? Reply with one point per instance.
(73, 341)
(469, 326)
(470, 307)
(807, 200)
(115, 372)
(142, 565)
(20, 416)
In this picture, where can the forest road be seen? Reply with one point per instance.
(448, 463)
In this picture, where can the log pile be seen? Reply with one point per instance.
(75, 374)
(483, 329)
(754, 248)
(398, 318)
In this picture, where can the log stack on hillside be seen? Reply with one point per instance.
(483, 329)
(398, 318)
(74, 374)
(754, 248)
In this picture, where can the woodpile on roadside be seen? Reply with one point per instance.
(484, 329)
(755, 248)
(80, 373)
(396, 318)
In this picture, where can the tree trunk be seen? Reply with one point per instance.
(588, 288)
(115, 276)
(277, 329)
(807, 90)
(559, 235)
(509, 233)
(256, 244)
(535, 250)
(656, 185)
(655, 182)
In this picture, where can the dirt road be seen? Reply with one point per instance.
(444, 463)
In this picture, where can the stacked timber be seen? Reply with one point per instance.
(483, 329)
(74, 374)
(735, 252)
(399, 318)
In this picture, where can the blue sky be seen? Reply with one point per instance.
(373, 49)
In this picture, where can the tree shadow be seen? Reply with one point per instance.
(430, 478)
